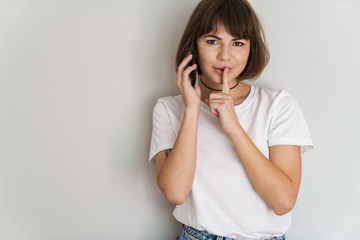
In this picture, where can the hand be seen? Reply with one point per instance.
(222, 105)
(191, 96)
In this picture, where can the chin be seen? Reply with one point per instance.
(212, 79)
(219, 79)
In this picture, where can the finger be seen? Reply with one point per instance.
(226, 88)
(184, 62)
(216, 113)
(181, 67)
(189, 69)
(216, 96)
(184, 78)
(213, 106)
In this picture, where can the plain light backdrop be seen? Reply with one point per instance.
(78, 83)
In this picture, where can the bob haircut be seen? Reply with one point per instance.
(239, 19)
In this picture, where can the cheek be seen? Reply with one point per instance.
(204, 57)
(205, 54)
(243, 58)
(246, 55)
(204, 61)
(241, 63)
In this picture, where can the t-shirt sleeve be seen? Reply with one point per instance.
(288, 125)
(163, 135)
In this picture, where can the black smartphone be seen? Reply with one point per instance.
(193, 61)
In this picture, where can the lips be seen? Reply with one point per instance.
(220, 70)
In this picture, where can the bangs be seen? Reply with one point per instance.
(226, 14)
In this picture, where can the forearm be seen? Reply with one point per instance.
(271, 183)
(177, 172)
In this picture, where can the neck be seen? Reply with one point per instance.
(217, 90)
(205, 83)
(238, 93)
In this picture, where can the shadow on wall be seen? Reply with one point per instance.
(162, 75)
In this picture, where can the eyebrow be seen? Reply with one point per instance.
(218, 38)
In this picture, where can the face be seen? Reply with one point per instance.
(216, 51)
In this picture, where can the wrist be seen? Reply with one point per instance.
(236, 133)
(192, 107)
(192, 110)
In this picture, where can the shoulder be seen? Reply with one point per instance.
(272, 95)
(170, 100)
(169, 104)
(281, 108)
(275, 98)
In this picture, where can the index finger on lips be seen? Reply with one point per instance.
(226, 88)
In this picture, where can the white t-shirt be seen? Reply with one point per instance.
(222, 200)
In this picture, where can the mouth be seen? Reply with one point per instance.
(220, 70)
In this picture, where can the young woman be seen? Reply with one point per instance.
(228, 154)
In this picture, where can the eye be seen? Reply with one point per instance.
(238, 44)
(211, 41)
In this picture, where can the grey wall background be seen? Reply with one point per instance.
(79, 79)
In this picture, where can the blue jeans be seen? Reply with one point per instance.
(189, 233)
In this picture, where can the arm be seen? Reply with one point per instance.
(175, 172)
(277, 179)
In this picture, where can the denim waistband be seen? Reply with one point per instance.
(204, 235)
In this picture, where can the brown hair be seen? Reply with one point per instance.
(239, 19)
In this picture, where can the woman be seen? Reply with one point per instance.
(228, 154)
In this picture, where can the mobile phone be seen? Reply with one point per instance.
(192, 75)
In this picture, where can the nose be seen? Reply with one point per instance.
(224, 53)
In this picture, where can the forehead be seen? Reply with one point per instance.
(220, 30)
(233, 30)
